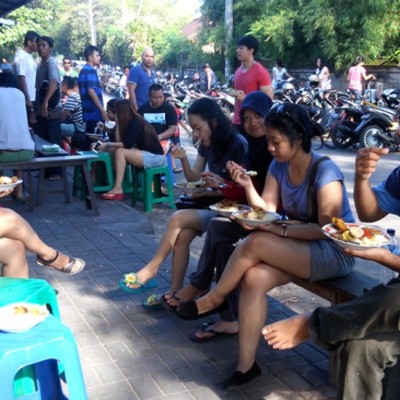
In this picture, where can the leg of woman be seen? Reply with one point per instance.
(180, 257)
(260, 247)
(180, 221)
(253, 309)
(13, 259)
(121, 157)
(12, 226)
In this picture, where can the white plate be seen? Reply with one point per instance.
(12, 321)
(191, 188)
(269, 218)
(8, 186)
(110, 124)
(227, 212)
(330, 230)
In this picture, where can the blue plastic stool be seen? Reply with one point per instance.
(43, 347)
(36, 291)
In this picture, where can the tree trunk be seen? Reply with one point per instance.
(228, 35)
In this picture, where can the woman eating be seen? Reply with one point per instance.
(274, 254)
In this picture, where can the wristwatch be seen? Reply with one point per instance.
(108, 146)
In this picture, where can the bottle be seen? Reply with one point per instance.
(393, 246)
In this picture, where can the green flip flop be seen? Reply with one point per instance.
(152, 302)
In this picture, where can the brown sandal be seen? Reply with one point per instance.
(74, 266)
(170, 307)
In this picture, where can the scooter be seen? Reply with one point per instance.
(377, 127)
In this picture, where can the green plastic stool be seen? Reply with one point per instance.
(147, 187)
(104, 173)
(37, 291)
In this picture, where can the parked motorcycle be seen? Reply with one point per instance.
(377, 127)
(343, 131)
(287, 91)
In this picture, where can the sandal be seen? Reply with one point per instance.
(112, 196)
(74, 266)
(206, 328)
(152, 302)
(166, 305)
(130, 278)
(177, 170)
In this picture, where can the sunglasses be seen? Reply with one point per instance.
(282, 111)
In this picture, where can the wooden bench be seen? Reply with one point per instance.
(63, 162)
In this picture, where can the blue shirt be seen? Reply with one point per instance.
(88, 79)
(388, 193)
(138, 76)
(295, 197)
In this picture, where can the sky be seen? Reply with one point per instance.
(191, 5)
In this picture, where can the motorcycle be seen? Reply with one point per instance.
(113, 88)
(377, 127)
(391, 98)
(343, 131)
(287, 91)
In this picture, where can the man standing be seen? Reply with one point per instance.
(250, 76)
(25, 70)
(141, 76)
(160, 114)
(209, 76)
(48, 96)
(67, 69)
(90, 90)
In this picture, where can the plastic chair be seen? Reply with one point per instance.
(147, 187)
(104, 180)
(36, 291)
(43, 347)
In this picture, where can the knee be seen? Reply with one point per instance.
(253, 280)
(179, 219)
(256, 241)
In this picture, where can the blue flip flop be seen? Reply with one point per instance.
(131, 278)
(152, 302)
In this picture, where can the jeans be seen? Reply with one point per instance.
(222, 233)
(366, 331)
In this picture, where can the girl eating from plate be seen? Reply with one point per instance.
(274, 254)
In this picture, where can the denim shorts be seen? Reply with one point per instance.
(328, 260)
(151, 160)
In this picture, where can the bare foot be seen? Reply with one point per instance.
(287, 333)
(142, 277)
(220, 327)
(207, 303)
(187, 293)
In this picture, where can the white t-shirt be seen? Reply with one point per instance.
(24, 65)
(14, 132)
(277, 75)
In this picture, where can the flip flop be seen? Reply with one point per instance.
(166, 305)
(131, 278)
(112, 196)
(152, 302)
(206, 328)
(74, 265)
(177, 170)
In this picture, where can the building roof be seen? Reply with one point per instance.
(7, 6)
(193, 28)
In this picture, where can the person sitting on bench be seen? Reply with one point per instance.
(17, 237)
(366, 330)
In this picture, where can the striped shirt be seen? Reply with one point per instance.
(88, 79)
(74, 107)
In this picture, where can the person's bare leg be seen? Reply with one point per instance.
(253, 309)
(188, 292)
(287, 333)
(260, 247)
(13, 259)
(13, 226)
(179, 221)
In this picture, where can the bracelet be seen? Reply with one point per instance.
(284, 230)
(108, 146)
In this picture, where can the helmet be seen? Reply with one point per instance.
(313, 80)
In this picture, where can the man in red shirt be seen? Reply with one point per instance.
(250, 76)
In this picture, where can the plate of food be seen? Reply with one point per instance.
(7, 183)
(20, 317)
(227, 207)
(256, 217)
(191, 187)
(357, 236)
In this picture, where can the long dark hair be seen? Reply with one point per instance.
(125, 114)
(293, 122)
(220, 126)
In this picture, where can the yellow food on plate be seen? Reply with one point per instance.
(256, 214)
(339, 224)
(227, 205)
(195, 185)
(5, 180)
